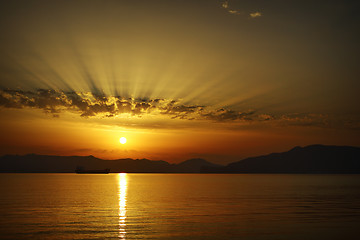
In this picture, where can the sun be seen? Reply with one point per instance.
(122, 140)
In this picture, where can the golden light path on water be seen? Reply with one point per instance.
(122, 182)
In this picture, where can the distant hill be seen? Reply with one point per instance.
(310, 159)
(47, 163)
(195, 165)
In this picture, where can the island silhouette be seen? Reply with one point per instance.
(316, 159)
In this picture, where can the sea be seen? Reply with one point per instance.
(179, 206)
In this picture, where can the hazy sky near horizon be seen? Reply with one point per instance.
(220, 80)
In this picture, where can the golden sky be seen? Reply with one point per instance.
(222, 80)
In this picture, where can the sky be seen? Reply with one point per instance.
(220, 80)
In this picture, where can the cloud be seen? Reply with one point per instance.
(88, 104)
(255, 14)
(224, 115)
(225, 5)
(234, 12)
(95, 105)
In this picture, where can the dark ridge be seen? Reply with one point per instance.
(195, 165)
(309, 159)
(33, 163)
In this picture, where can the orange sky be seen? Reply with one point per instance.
(179, 79)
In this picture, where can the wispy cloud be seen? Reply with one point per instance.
(255, 14)
(225, 5)
(234, 12)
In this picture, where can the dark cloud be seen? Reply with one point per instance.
(223, 115)
(93, 104)
(87, 104)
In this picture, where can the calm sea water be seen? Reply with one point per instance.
(179, 206)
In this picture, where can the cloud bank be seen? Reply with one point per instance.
(88, 104)
(94, 105)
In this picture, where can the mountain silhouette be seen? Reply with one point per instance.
(47, 163)
(309, 159)
(195, 165)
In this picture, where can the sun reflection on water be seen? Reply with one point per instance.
(122, 181)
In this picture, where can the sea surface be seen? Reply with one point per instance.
(179, 206)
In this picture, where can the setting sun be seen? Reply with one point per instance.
(122, 140)
(242, 117)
